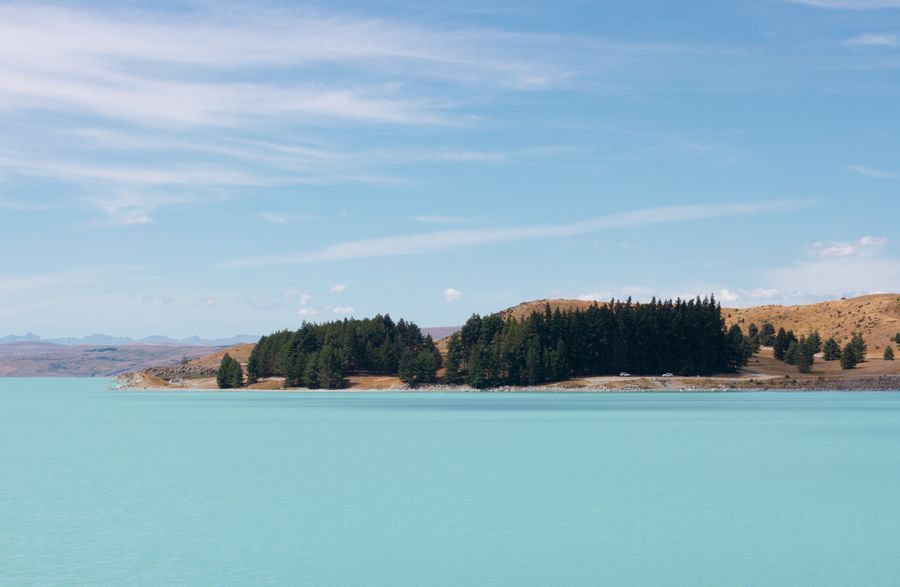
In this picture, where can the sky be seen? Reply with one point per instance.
(214, 168)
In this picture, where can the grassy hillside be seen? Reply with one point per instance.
(877, 317)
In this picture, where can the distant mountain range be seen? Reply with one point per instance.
(105, 339)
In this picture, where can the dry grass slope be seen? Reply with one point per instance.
(877, 317)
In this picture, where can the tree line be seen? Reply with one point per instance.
(683, 337)
(787, 347)
(322, 355)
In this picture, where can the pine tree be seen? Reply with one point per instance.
(452, 372)
(767, 334)
(792, 354)
(475, 368)
(816, 341)
(860, 346)
(780, 344)
(229, 374)
(849, 358)
(534, 363)
(888, 353)
(311, 371)
(753, 330)
(831, 350)
(807, 354)
(330, 368)
(253, 367)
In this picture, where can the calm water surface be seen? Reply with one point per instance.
(202, 488)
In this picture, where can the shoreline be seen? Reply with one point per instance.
(887, 383)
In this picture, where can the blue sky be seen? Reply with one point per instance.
(212, 168)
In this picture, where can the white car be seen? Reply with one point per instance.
(667, 375)
(624, 374)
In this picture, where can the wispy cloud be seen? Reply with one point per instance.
(343, 310)
(847, 249)
(874, 40)
(849, 4)
(338, 288)
(436, 219)
(436, 241)
(76, 277)
(284, 217)
(873, 172)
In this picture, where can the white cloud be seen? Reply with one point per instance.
(452, 294)
(838, 276)
(137, 219)
(307, 312)
(283, 217)
(448, 239)
(82, 60)
(305, 299)
(435, 219)
(764, 294)
(343, 309)
(874, 40)
(873, 172)
(727, 296)
(338, 288)
(847, 249)
(849, 4)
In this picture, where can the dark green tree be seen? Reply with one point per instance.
(860, 346)
(888, 353)
(311, 371)
(229, 374)
(767, 334)
(780, 344)
(807, 354)
(792, 354)
(331, 368)
(831, 350)
(253, 368)
(849, 359)
(452, 373)
(815, 339)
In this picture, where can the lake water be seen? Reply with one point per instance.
(209, 488)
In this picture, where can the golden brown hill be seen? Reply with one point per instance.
(876, 317)
(526, 309)
(239, 352)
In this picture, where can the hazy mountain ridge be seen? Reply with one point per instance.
(105, 339)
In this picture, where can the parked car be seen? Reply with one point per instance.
(624, 374)
(668, 375)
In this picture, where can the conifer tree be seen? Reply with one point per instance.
(330, 368)
(311, 371)
(452, 372)
(849, 358)
(815, 339)
(807, 354)
(860, 346)
(229, 374)
(767, 334)
(831, 350)
(253, 367)
(792, 354)
(780, 344)
(888, 353)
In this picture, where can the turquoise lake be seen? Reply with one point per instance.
(210, 488)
